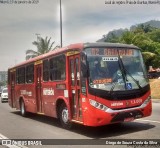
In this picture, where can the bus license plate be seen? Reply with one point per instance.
(128, 119)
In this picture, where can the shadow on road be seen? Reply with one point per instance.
(113, 130)
(95, 132)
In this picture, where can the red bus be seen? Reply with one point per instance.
(92, 84)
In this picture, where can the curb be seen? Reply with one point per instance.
(156, 100)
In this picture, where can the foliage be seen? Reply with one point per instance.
(148, 57)
(4, 83)
(155, 35)
(147, 38)
(127, 37)
(112, 38)
(142, 28)
(43, 46)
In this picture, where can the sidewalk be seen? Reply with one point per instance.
(156, 100)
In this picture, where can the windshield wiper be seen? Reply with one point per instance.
(113, 86)
(122, 69)
(124, 74)
(136, 81)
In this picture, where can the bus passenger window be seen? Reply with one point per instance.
(58, 68)
(30, 74)
(20, 75)
(45, 70)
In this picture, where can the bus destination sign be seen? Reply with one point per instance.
(111, 51)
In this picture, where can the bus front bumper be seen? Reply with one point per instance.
(96, 117)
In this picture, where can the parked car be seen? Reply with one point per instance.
(0, 92)
(154, 75)
(4, 95)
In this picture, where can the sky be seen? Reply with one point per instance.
(83, 21)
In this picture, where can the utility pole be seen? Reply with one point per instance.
(61, 23)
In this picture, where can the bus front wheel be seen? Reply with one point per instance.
(23, 109)
(64, 116)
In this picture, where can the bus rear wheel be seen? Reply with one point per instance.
(64, 116)
(23, 109)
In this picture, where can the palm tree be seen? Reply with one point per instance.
(43, 46)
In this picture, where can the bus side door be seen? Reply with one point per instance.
(12, 100)
(39, 100)
(74, 76)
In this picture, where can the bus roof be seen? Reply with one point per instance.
(53, 52)
(79, 46)
(106, 44)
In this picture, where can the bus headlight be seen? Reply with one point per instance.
(98, 105)
(147, 100)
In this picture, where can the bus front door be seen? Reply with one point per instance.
(12, 101)
(38, 88)
(76, 102)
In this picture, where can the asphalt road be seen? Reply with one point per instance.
(14, 126)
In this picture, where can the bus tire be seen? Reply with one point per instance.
(23, 109)
(64, 116)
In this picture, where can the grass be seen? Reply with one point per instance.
(155, 88)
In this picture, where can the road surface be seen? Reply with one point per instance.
(14, 126)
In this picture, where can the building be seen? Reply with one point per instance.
(3, 76)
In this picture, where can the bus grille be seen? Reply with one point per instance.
(120, 117)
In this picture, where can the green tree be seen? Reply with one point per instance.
(143, 28)
(148, 28)
(148, 58)
(142, 41)
(43, 46)
(155, 35)
(4, 83)
(112, 38)
(127, 37)
(147, 38)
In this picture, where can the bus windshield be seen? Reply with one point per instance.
(116, 69)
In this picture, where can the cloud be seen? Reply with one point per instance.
(83, 21)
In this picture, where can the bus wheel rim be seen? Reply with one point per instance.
(65, 115)
(22, 108)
